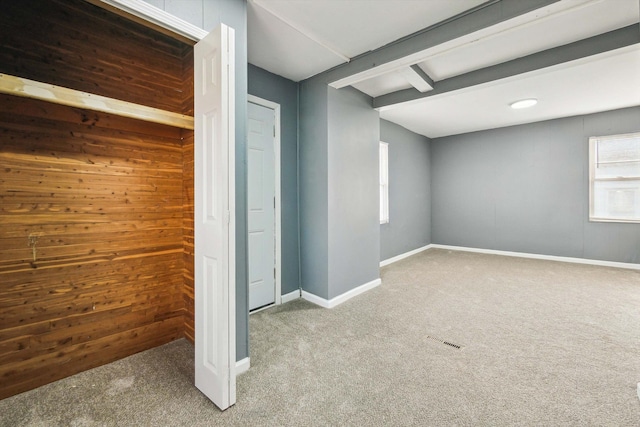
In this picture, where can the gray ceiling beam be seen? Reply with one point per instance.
(423, 75)
(417, 78)
(606, 42)
(486, 15)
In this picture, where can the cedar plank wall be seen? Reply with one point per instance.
(74, 44)
(103, 193)
(188, 188)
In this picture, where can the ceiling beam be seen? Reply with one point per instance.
(417, 78)
(389, 57)
(617, 39)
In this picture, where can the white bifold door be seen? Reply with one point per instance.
(261, 205)
(214, 228)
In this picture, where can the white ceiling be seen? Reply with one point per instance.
(315, 35)
(607, 82)
(562, 23)
(300, 38)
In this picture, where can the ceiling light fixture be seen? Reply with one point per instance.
(523, 103)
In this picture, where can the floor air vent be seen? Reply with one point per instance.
(441, 341)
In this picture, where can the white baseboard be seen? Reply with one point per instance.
(283, 298)
(290, 296)
(340, 298)
(242, 366)
(616, 264)
(404, 255)
(315, 299)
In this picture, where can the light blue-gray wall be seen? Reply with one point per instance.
(353, 191)
(338, 178)
(312, 175)
(205, 14)
(525, 189)
(284, 92)
(409, 224)
(208, 14)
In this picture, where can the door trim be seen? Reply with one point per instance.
(278, 213)
(150, 14)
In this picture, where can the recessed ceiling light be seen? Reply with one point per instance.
(524, 103)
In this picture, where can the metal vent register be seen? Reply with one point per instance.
(441, 341)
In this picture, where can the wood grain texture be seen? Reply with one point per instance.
(187, 193)
(19, 86)
(76, 45)
(188, 239)
(104, 199)
(105, 207)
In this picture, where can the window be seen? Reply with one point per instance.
(384, 183)
(614, 178)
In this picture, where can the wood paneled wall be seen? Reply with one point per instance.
(189, 260)
(107, 200)
(74, 44)
(188, 243)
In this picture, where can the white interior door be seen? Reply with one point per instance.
(214, 205)
(261, 206)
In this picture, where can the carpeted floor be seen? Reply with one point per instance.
(541, 343)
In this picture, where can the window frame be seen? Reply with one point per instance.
(383, 175)
(593, 141)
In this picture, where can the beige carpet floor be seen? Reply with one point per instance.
(541, 343)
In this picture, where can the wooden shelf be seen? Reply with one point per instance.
(73, 98)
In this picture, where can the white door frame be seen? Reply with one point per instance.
(276, 150)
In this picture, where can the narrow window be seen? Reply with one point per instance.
(384, 183)
(614, 178)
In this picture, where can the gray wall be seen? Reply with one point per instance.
(525, 189)
(409, 224)
(312, 175)
(354, 223)
(208, 14)
(338, 173)
(284, 92)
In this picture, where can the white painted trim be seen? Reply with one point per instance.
(258, 310)
(242, 366)
(404, 255)
(593, 159)
(231, 170)
(291, 296)
(340, 298)
(383, 173)
(278, 194)
(627, 265)
(284, 298)
(159, 17)
(314, 299)
(264, 102)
